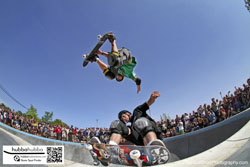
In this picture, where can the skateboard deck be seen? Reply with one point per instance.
(99, 44)
(130, 155)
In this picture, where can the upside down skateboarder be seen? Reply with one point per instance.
(121, 62)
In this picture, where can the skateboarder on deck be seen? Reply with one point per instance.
(121, 62)
(143, 131)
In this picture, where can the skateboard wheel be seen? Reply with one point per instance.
(99, 36)
(84, 56)
(135, 154)
(89, 147)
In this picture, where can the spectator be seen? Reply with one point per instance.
(58, 132)
(80, 135)
(181, 127)
(1, 115)
(232, 111)
(74, 131)
(64, 134)
(70, 136)
(51, 132)
(211, 117)
(45, 131)
(189, 126)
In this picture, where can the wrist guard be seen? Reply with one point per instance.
(138, 81)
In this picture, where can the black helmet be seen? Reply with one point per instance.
(122, 112)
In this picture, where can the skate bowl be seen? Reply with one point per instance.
(224, 142)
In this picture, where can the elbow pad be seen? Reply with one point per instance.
(118, 127)
(138, 81)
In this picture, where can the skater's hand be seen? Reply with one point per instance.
(138, 88)
(152, 98)
(155, 95)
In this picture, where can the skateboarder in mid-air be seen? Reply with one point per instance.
(121, 63)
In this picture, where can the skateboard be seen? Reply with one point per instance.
(99, 44)
(129, 155)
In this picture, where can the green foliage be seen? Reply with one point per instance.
(58, 122)
(2, 105)
(47, 117)
(31, 113)
(247, 4)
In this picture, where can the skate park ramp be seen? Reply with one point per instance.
(223, 144)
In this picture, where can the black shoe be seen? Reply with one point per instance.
(104, 163)
(111, 38)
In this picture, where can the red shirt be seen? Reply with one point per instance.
(74, 132)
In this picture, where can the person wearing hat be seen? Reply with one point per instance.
(143, 130)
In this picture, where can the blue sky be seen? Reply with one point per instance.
(187, 50)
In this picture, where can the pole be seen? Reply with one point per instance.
(96, 123)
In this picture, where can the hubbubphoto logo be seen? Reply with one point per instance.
(33, 154)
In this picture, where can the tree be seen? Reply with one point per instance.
(247, 4)
(58, 122)
(47, 117)
(2, 105)
(31, 113)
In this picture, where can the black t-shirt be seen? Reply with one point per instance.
(139, 112)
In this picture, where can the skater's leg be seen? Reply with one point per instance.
(115, 139)
(108, 74)
(146, 130)
(114, 47)
(101, 64)
(150, 136)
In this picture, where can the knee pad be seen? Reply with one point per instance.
(143, 126)
(113, 58)
(118, 127)
(109, 74)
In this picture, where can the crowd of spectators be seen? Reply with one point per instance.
(204, 116)
(72, 134)
(208, 114)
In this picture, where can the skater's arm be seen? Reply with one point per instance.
(152, 98)
(138, 84)
(99, 52)
(138, 88)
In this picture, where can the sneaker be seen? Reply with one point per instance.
(95, 140)
(111, 38)
(157, 142)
